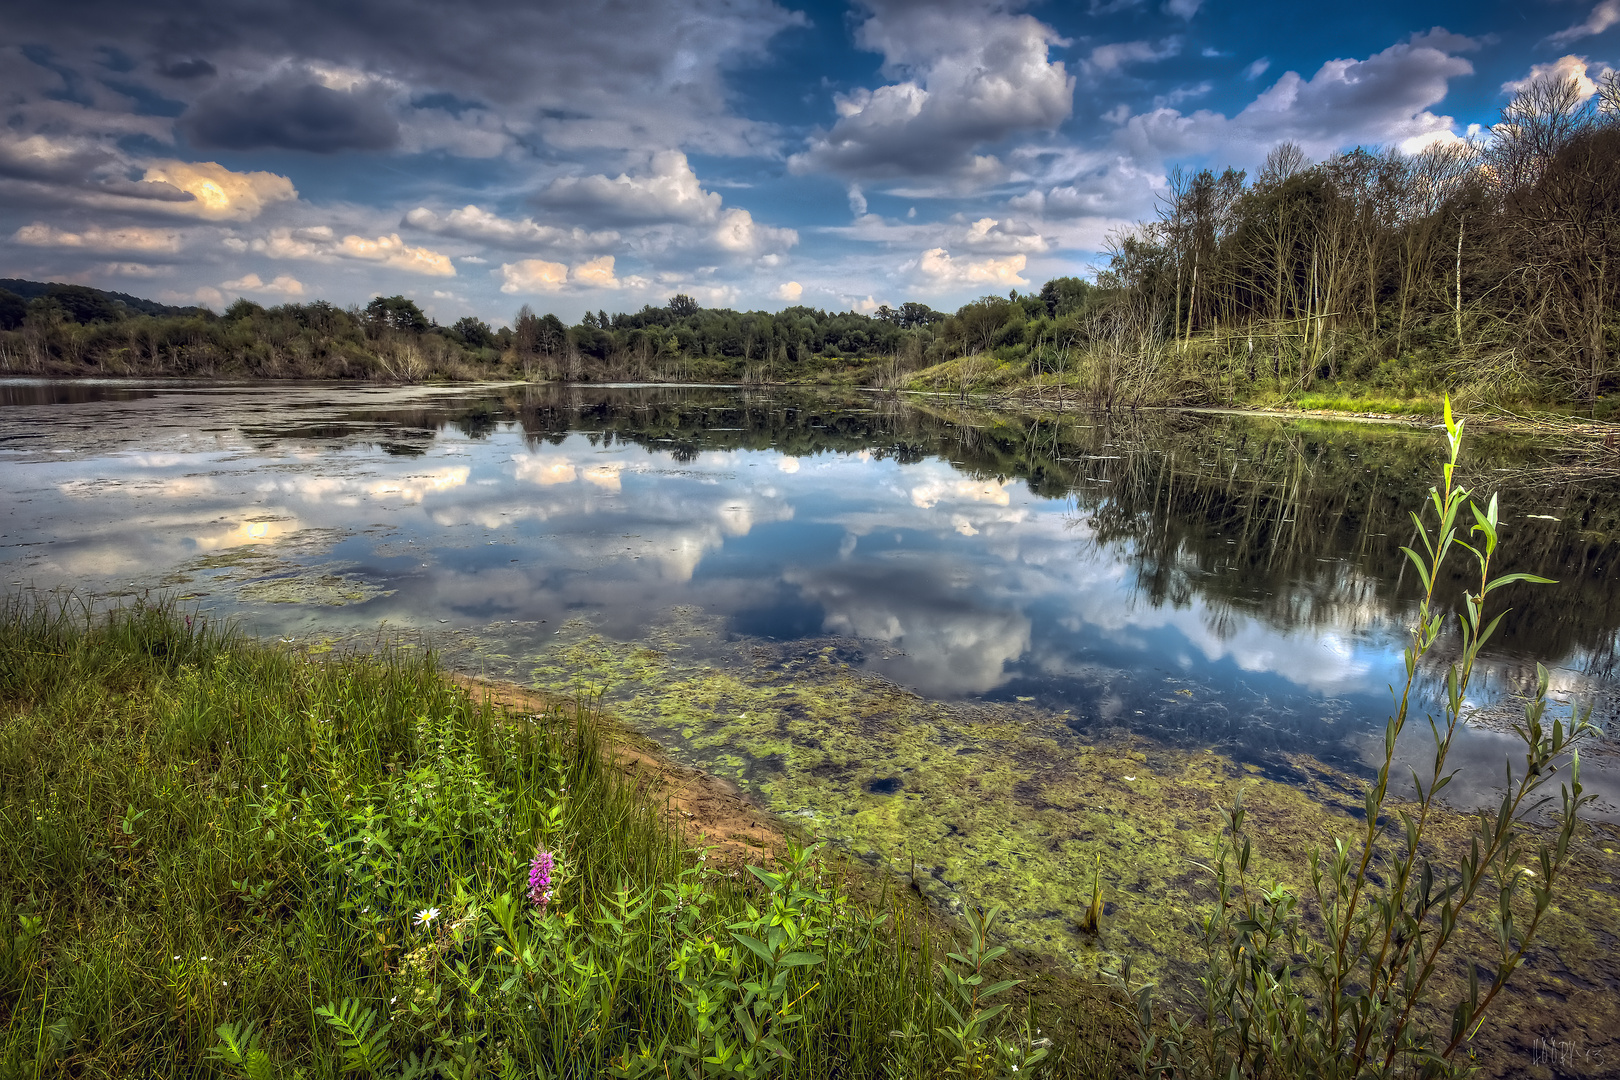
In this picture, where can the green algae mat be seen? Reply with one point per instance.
(979, 803)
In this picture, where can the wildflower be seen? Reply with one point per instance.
(540, 868)
(426, 916)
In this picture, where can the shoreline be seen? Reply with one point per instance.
(1566, 426)
(705, 809)
(1177, 790)
(1290, 819)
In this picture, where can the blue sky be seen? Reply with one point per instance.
(750, 153)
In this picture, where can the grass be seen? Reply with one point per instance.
(224, 858)
(1371, 403)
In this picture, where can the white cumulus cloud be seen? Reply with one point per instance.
(544, 276)
(533, 276)
(96, 238)
(472, 223)
(991, 234)
(282, 285)
(963, 78)
(597, 273)
(394, 253)
(668, 191)
(1385, 99)
(320, 243)
(1565, 67)
(738, 233)
(218, 193)
(938, 266)
(1601, 17)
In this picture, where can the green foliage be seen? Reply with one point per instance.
(123, 304)
(362, 1040)
(223, 856)
(13, 309)
(474, 332)
(977, 1048)
(1091, 918)
(396, 313)
(82, 304)
(239, 1051)
(1066, 295)
(1345, 982)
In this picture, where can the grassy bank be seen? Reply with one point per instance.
(1100, 382)
(229, 859)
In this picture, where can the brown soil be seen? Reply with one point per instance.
(709, 811)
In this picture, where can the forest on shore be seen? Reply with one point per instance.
(1489, 270)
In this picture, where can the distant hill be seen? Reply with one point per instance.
(84, 304)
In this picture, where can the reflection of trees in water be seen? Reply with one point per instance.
(1296, 523)
(1232, 514)
(1584, 677)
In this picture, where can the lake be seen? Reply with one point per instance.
(845, 602)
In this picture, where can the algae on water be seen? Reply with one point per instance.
(973, 803)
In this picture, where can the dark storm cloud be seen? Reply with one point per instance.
(38, 158)
(293, 112)
(194, 68)
(613, 74)
(155, 190)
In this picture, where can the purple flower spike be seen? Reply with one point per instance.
(540, 868)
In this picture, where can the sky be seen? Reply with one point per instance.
(607, 154)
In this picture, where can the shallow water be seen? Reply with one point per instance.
(1208, 580)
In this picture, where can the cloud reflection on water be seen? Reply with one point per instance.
(959, 583)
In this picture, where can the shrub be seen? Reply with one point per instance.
(1342, 983)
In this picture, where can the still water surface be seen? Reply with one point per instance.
(1214, 580)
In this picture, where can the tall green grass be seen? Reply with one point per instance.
(223, 858)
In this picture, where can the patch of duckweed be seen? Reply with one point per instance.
(312, 587)
(970, 803)
(974, 803)
(256, 572)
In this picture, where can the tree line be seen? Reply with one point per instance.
(1492, 265)
(70, 329)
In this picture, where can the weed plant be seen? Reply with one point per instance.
(1346, 981)
(222, 858)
